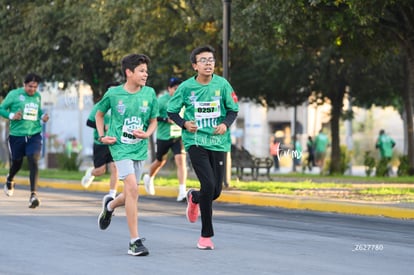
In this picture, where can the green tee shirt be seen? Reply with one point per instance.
(91, 117)
(385, 144)
(298, 147)
(166, 130)
(30, 106)
(207, 105)
(129, 111)
(321, 142)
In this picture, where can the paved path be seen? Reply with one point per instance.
(62, 237)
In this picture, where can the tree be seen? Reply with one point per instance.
(166, 31)
(336, 46)
(393, 20)
(60, 40)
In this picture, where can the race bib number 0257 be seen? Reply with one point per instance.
(206, 110)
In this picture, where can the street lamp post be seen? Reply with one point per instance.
(226, 37)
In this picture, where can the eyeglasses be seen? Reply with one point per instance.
(204, 60)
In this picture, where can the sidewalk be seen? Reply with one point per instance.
(396, 210)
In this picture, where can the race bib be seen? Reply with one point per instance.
(206, 113)
(129, 126)
(30, 112)
(175, 130)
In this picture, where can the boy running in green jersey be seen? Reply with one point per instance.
(23, 107)
(134, 112)
(210, 108)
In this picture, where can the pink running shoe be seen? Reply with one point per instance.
(192, 208)
(205, 243)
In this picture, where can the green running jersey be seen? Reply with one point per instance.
(30, 106)
(166, 130)
(91, 117)
(129, 112)
(207, 105)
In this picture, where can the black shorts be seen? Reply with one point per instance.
(175, 144)
(101, 155)
(20, 146)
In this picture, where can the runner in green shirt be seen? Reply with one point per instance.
(168, 137)
(385, 144)
(102, 158)
(134, 112)
(321, 144)
(22, 107)
(210, 108)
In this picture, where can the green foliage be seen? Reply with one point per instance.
(369, 163)
(387, 191)
(404, 167)
(382, 168)
(345, 159)
(69, 163)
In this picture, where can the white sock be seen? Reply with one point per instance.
(108, 207)
(182, 188)
(112, 192)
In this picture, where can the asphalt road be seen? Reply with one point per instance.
(62, 237)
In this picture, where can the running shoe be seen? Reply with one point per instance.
(105, 217)
(137, 248)
(205, 243)
(192, 208)
(181, 196)
(88, 178)
(149, 185)
(34, 201)
(9, 188)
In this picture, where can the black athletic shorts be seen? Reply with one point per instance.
(20, 146)
(175, 144)
(101, 155)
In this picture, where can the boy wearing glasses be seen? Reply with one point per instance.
(210, 108)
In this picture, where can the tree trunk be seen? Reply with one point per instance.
(337, 104)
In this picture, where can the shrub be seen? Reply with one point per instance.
(345, 158)
(382, 168)
(70, 163)
(369, 162)
(404, 167)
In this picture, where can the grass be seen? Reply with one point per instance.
(344, 187)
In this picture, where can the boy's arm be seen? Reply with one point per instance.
(230, 118)
(91, 123)
(177, 119)
(152, 126)
(100, 127)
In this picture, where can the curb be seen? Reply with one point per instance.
(253, 198)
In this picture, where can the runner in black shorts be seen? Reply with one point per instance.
(168, 137)
(101, 156)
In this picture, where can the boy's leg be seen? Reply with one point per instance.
(181, 164)
(209, 182)
(131, 198)
(113, 181)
